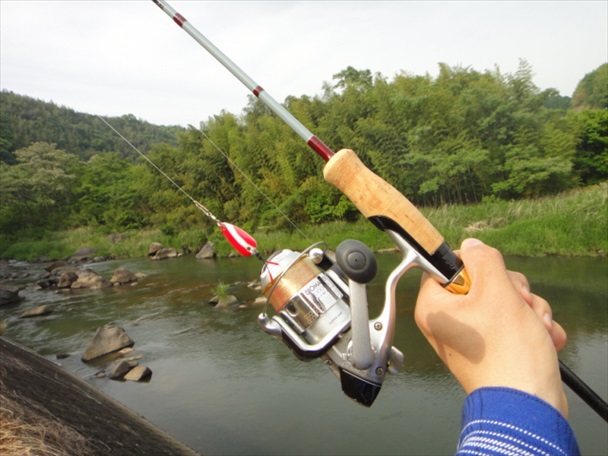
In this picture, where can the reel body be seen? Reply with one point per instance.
(321, 311)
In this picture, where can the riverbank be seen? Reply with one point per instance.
(569, 224)
(47, 411)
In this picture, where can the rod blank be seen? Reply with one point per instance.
(313, 142)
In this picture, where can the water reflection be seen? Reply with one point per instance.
(224, 387)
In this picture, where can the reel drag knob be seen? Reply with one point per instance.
(356, 260)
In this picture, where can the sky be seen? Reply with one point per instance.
(117, 57)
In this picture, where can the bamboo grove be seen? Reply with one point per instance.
(461, 137)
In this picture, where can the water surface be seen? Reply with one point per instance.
(222, 386)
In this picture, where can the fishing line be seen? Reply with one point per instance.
(242, 241)
(251, 182)
(206, 211)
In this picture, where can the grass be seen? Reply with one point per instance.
(221, 290)
(571, 224)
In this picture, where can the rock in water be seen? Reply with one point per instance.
(163, 254)
(260, 301)
(107, 339)
(119, 368)
(207, 252)
(139, 373)
(82, 254)
(122, 276)
(9, 295)
(154, 247)
(87, 278)
(36, 312)
(67, 279)
(224, 301)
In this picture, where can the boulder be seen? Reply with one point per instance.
(66, 279)
(107, 339)
(44, 284)
(154, 247)
(207, 252)
(224, 301)
(88, 278)
(56, 273)
(260, 301)
(163, 254)
(36, 312)
(82, 254)
(9, 295)
(54, 265)
(255, 285)
(119, 368)
(139, 373)
(122, 276)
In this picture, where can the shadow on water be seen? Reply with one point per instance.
(222, 386)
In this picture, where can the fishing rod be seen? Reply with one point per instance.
(380, 202)
(320, 301)
(242, 241)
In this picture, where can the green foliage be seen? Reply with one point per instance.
(592, 91)
(591, 159)
(25, 120)
(460, 138)
(107, 194)
(572, 223)
(37, 190)
(221, 290)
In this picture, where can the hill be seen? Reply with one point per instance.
(25, 120)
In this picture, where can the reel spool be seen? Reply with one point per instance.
(309, 298)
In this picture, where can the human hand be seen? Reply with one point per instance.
(499, 334)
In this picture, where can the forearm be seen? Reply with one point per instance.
(498, 421)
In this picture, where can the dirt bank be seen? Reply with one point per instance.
(45, 410)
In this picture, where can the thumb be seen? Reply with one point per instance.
(483, 263)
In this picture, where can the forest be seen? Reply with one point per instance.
(461, 137)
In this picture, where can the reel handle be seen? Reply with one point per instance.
(387, 208)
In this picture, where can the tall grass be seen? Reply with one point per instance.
(573, 223)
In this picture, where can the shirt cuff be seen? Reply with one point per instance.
(499, 421)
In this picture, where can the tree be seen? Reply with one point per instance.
(592, 91)
(37, 190)
(591, 159)
(107, 194)
(353, 78)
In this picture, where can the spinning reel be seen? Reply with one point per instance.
(321, 311)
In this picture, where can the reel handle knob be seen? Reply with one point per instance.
(356, 260)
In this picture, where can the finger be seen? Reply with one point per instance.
(521, 284)
(431, 298)
(558, 336)
(479, 258)
(490, 282)
(543, 312)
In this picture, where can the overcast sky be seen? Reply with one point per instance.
(114, 57)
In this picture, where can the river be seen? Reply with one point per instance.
(222, 386)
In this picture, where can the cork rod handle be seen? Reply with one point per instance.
(373, 196)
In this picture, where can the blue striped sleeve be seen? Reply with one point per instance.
(504, 421)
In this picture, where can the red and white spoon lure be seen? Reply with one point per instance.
(242, 241)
